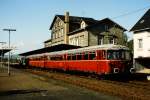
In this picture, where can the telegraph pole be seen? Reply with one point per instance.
(9, 30)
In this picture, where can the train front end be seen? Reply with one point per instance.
(119, 61)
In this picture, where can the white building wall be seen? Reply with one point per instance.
(145, 50)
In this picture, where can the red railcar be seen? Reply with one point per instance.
(103, 59)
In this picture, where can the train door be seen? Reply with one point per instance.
(101, 61)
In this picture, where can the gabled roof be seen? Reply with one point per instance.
(143, 23)
(72, 19)
(109, 21)
(105, 21)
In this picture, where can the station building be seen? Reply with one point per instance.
(84, 31)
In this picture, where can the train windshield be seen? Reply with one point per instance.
(118, 55)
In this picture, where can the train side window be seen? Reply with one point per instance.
(104, 54)
(57, 58)
(63, 57)
(69, 57)
(86, 56)
(52, 58)
(48, 57)
(73, 57)
(92, 56)
(79, 57)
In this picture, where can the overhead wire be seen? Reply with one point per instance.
(132, 12)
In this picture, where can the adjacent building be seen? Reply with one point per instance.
(84, 31)
(141, 39)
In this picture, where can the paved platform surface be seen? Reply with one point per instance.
(21, 85)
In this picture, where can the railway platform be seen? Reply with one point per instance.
(22, 85)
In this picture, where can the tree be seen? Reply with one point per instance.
(130, 45)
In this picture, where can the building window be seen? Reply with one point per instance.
(59, 23)
(70, 41)
(81, 40)
(59, 34)
(140, 42)
(77, 41)
(56, 35)
(73, 41)
(111, 41)
(53, 35)
(82, 25)
(62, 32)
(106, 28)
(101, 40)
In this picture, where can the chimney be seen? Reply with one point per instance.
(66, 28)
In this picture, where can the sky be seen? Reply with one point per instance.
(32, 18)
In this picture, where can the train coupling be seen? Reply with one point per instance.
(116, 70)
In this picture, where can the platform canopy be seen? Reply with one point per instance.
(50, 49)
(4, 50)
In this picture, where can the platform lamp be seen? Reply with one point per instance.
(2, 43)
(9, 30)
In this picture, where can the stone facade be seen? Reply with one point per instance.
(79, 39)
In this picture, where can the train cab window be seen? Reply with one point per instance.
(73, 57)
(116, 54)
(86, 56)
(122, 54)
(109, 54)
(92, 56)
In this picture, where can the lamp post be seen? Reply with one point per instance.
(9, 30)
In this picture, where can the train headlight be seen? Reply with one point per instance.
(116, 70)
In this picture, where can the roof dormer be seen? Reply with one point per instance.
(83, 24)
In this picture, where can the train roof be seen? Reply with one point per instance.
(85, 49)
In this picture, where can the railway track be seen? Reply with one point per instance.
(132, 89)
